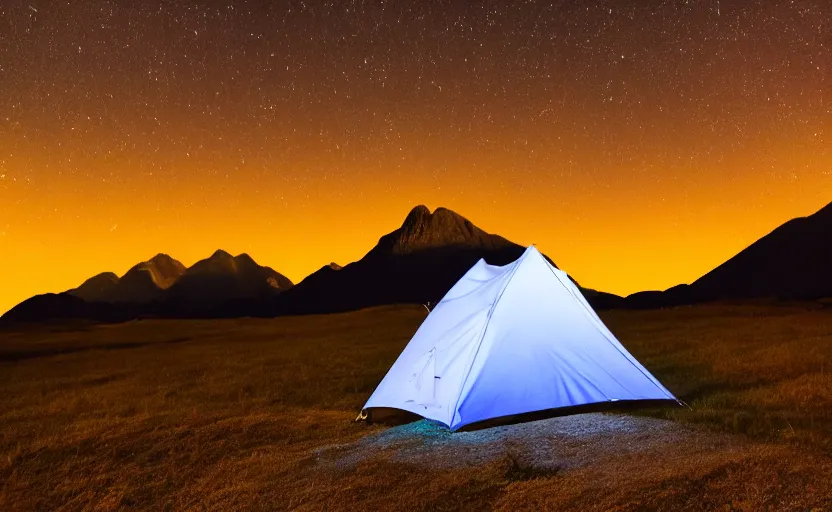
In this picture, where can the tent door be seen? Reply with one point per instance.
(422, 380)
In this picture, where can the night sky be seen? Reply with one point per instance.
(639, 144)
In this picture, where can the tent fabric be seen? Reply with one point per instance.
(509, 340)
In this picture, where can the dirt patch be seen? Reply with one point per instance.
(564, 443)
(596, 462)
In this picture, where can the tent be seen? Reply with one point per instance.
(509, 340)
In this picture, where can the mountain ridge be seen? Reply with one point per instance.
(791, 262)
(224, 277)
(418, 262)
(144, 282)
(159, 279)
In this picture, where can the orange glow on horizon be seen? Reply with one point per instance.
(607, 240)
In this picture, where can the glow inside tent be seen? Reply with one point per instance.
(508, 340)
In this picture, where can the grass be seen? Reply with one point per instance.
(233, 414)
(756, 370)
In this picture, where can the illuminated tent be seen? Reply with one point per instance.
(511, 340)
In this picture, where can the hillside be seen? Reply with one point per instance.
(790, 263)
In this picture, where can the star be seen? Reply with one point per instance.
(272, 112)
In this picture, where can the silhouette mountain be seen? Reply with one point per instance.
(148, 280)
(442, 229)
(63, 306)
(793, 262)
(98, 288)
(144, 282)
(417, 263)
(219, 286)
(225, 277)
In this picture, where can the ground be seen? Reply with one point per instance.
(257, 414)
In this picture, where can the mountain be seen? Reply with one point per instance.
(49, 305)
(416, 263)
(148, 280)
(144, 282)
(99, 288)
(225, 277)
(61, 307)
(442, 229)
(793, 262)
(161, 269)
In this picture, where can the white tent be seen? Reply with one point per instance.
(511, 340)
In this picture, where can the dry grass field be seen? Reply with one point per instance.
(257, 414)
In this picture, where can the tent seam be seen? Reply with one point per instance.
(482, 336)
(470, 292)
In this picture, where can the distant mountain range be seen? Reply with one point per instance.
(416, 263)
(226, 277)
(145, 282)
(160, 287)
(163, 278)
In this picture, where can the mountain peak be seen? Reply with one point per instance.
(443, 228)
(225, 277)
(417, 215)
(220, 254)
(244, 258)
(161, 258)
(421, 215)
(146, 280)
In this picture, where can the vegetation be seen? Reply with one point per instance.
(257, 414)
